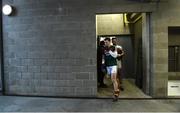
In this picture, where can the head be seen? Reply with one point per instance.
(114, 41)
(101, 43)
(107, 42)
(112, 48)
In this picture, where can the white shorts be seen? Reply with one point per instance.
(111, 70)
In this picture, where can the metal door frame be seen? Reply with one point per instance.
(147, 53)
(1, 52)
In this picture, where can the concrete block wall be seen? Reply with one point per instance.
(50, 48)
(167, 15)
(50, 45)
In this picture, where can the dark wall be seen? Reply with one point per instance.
(50, 45)
(126, 41)
(0, 47)
(138, 53)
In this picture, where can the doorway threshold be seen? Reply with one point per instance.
(130, 91)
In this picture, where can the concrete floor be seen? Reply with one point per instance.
(131, 90)
(37, 104)
(44, 104)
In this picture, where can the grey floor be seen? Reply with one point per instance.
(131, 90)
(44, 104)
(36, 104)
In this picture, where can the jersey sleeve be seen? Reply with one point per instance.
(113, 54)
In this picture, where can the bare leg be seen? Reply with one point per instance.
(115, 84)
(114, 80)
(118, 77)
(121, 87)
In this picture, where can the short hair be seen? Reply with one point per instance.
(114, 38)
(112, 48)
(107, 39)
(101, 43)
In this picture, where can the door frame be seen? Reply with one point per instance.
(147, 51)
(147, 48)
(1, 53)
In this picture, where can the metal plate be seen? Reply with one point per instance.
(174, 88)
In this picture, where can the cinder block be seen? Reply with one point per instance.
(76, 83)
(83, 76)
(83, 91)
(28, 62)
(54, 62)
(49, 69)
(27, 76)
(15, 62)
(36, 69)
(21, 69)
(90, 83)
(62, 69)
(15, 76)
(41, 76)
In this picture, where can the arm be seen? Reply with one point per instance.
(120, 52)
(113, 54)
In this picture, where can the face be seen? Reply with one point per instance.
(107, 43)
(114, 41)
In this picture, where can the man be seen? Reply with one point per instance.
(101, 68)
(119, 64)
(110, 56)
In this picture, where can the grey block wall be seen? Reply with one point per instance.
(50, 45)
(0, 48)
(50, 48)
(168, 15)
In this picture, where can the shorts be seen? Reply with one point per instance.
(111, 70)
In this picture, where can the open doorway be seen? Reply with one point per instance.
(127, 28)
(174, 61)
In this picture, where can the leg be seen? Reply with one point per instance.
(99, 63)
(115, 84)
(112, 70)
(114, 80)
(101, 75)
(121, 80)
(99, 72)
(102, 84)
(119, 74)
(118, 78)
(114, 77)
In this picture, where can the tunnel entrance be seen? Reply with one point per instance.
(128, 30)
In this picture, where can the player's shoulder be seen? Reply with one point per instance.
(118, 47)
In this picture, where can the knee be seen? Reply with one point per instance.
(113, 78)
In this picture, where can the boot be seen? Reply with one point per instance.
(116, 95)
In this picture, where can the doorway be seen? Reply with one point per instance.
(174, 61)
(127, 28)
